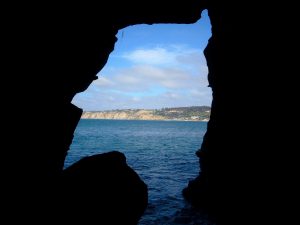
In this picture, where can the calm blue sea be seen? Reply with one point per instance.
(161, 152)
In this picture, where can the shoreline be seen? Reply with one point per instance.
(146, 120)
(192, 113)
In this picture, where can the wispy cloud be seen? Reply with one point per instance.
(156, 56)
(157, 77)
(145, 77)
(104, 82)
(166, 56)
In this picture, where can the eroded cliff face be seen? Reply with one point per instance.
(123, 115)
(194, 113)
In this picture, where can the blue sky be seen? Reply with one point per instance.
(151, 67)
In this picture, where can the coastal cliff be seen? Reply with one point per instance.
(193, 113)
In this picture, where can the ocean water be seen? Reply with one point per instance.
(161, 152)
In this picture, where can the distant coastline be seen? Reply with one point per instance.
(192, 113)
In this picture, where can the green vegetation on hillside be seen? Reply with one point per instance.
(193, 113)
(184, 113)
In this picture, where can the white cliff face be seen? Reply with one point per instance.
(123, 115)
(148, 114)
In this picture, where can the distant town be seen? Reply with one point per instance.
(192, 113)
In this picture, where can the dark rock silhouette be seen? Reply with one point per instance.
(104, 188)
(237, 156)
(53, 51)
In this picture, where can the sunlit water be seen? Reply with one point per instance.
(161, 152)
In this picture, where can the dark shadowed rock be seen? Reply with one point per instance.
(51, 52)
(103, 189)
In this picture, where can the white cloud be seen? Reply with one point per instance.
(145, 77)
(156, 56)
(105, 100)
(136, 99)
(159, 77)
(128, 78)
(169, 55)
(111, 98)
(103, 82)
(171, 95)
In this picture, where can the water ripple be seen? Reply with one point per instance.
(161, 152)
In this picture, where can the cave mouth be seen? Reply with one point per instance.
(151, 67)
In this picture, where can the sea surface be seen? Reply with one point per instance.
(161, 152)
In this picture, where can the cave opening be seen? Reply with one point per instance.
(154, 71)
(51, 53)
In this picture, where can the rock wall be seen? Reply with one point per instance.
(237, 157)
(53, 51)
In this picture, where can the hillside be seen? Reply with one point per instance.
(193, 113)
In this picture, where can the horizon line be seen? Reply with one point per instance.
(146, 109)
